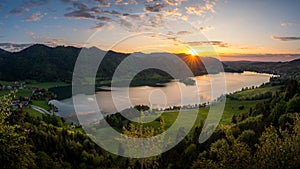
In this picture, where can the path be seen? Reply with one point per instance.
(41, 110)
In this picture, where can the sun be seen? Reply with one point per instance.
(193, 52)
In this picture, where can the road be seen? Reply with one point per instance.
(41, 110)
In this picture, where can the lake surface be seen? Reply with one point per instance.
(171, 94)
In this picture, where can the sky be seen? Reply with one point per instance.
(260, 30)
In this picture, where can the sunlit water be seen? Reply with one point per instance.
(170, 95)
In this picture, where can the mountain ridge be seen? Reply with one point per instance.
(43, 63)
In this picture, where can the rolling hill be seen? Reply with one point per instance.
(50, 64)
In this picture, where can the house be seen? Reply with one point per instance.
(22, 102)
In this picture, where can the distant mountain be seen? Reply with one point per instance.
(39, 62)
(43, 63)
(291, 68)
(3, 52)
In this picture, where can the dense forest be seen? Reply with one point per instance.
(267, 136)
(285, 69)
(55, 64)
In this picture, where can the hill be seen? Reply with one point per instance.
(50, 64)
(285, 69)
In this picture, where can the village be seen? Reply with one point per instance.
(27, 94)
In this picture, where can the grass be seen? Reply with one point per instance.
(33, 112)
(46, 85)
(41, 103)
(22, 93)
(27, 90)
(250, 93)
(231, 108)
(5, 83)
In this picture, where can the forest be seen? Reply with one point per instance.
(267, 136)
(45, 64)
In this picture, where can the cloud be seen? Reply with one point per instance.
(54, 41)
(200, 10)
(126, 24)
(182, 33)
(27, 5)
(155, 14)
(34, 17)
(174, 2)
(14, 46)
(104, 19)
(81, 12)
(35, 3)
(99, 26)
(153, 20)
(201, 43)
(67, 1)
(174, 38)
(103, 3)
(175, 12)
(33, 36)
(126, 2)
(113, 12)
(207, 28)
(19, 10)
(135, 17)
(80, 6)
(154, 7)
(260, 57)
(288, 24)
(282, 38)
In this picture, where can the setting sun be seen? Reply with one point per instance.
(193, 52)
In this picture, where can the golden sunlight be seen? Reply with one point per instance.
(193, 52)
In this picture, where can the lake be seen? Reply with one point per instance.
(169, 95)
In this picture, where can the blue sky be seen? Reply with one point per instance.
(241, 28)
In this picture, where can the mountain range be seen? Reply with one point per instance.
(49, 64)
(43, 63)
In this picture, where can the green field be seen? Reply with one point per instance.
(27, 90)
(232, 107)
(250, 93)
(41, 103)
(33, 112)
(22, 93)
(46, 85)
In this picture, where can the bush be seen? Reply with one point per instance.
(254, 123)
(241, 107)
(286, 120)
(293, 105)
(249, 137)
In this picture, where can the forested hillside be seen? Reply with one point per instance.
(47, 64)
(285, 69)
(267, 136)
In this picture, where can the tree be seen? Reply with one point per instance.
(14, 149)
(293, 105)
(225, 153)
(139, 131)
(279, 148)
(249, 137)
(277, 111)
